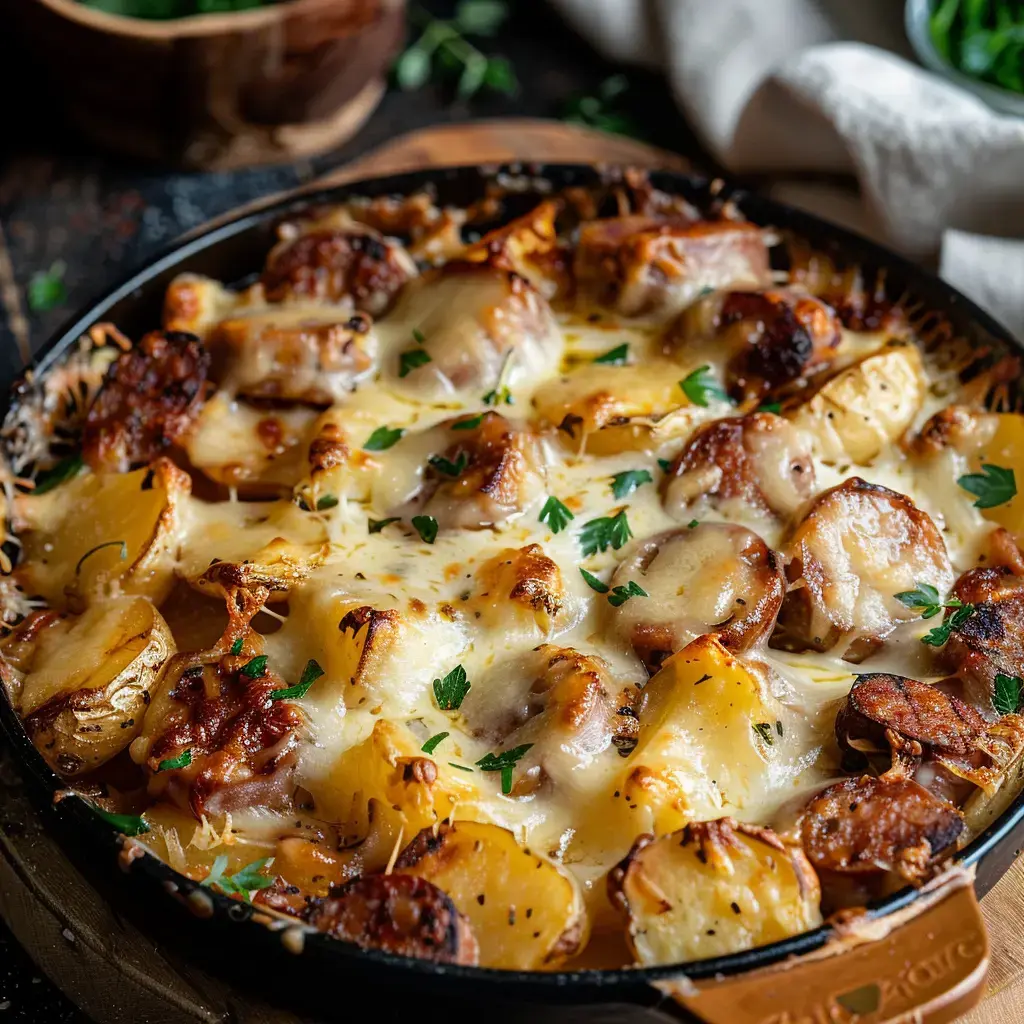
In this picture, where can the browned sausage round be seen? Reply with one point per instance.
(713, 578)
(398, 914)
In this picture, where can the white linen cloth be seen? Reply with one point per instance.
(794, 86)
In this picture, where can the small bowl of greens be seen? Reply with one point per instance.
(978, 44)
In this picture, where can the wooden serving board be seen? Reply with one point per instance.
(108, 967)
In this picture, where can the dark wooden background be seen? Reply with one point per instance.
(103, 216)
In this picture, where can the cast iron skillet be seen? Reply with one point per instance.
(328, 975)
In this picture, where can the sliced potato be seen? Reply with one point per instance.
(100, 531)
(1006, 449)
(87, 680)
(525, 913)
(865, 406)
(710, 889)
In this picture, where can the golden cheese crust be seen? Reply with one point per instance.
(529, 587)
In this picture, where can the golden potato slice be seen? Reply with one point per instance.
(710, 889)
(866, 406)
(87, 679)
(525, 913)
(120, 530)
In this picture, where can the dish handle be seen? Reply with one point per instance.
(926, 964)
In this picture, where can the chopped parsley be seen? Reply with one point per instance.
(58, 474)
(451, 691)
(608, 532)
(555, 514)
(426, 527)
(617, 356)
(775, 407)
(310, 674)
(46, 289)
(993, 486)
(99, 547)
(593, 582)
(500, 394)
(620, 595)
(666, 464)
(1006, 699)
(411, 360)
(461, 767)
(940, 634)
(471, 424)
(699, 386)
(376, 525)
(326, 501)
(693, 524)
(255, 667)
(764, 730)
(242, 882)
(449, 468)
(126, 824)
(236, 647)
(183, 760)
(504, 763)
(382, 439)
(434, 742)
(624, 484)
(926, 597)
(417, 336)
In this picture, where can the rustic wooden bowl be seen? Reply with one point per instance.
(218, 91)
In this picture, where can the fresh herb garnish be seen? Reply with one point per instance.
(614, 356)
(775, 407)
(376, 525)
(434, 742)
(99, 547)
(242, 882)
(926, 597)
(607, 532)
(236, 647)
(310, 674)
(940, 634)
(504, 763)
(620, 595)
(255, 667)
(1006, 699)
(64, 470)
(326, 501)
(417, 336)
(593, 582)
(666, 464)
(993, 486)
(764, 730)
(411, 360)
(426, 527)
(449, 468)
(603, 109)
(382, 439)
(693, 524)
(127, 824)
(461, 767)
(500, 393)
(471, 424)
(183, 760)
(451, 691)
(555, 514)
(46, 289)
(624, 484)
(699, 386)
(442, 50)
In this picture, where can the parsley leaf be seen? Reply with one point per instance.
(1006, 699)
(434, 742)
(471, 424)
(775, 407)
(376, 525)
(426, 527)
(501, 394)
(555, 514)
(236, 647)
(382, 438)
(699, 386)
(449, 468)
(925, 597)
(417, 336)
(46, 288)
(451, 691)
(243, 881)
(993, 486)
(183, 760)
(624, 484)
(255, 667)
(620, 595)
(126, 824)
(608, 532)
(940, 634)
(615, 357)
(99, 547)
(666, 464)
(310, 674)
(57, 474)
(411, 360)
(764, 730)
(461, 767)
(326, 501)
(504, 763)
(593, 582)
(693, 524)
